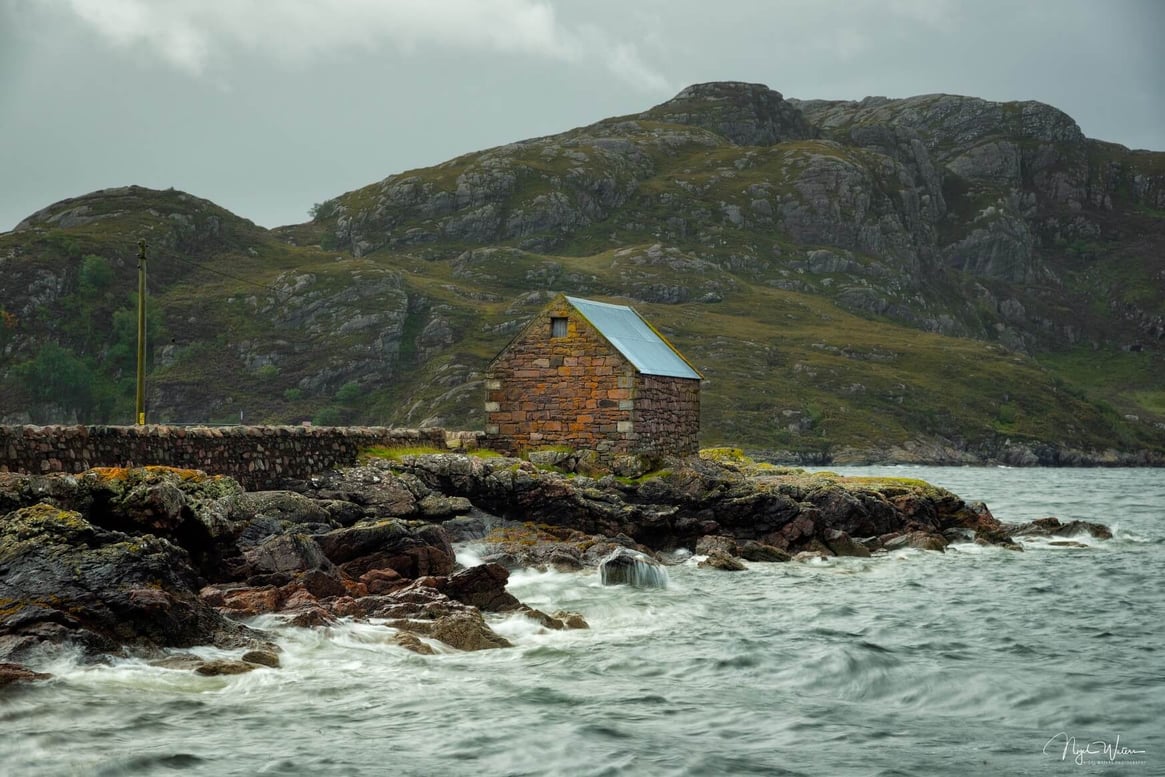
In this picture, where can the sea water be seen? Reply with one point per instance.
(974, 661)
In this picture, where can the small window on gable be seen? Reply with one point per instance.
(558, 327)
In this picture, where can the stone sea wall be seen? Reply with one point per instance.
(259, 457)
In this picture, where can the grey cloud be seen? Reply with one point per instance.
(268, 114)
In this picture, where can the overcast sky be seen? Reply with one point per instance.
(267, 107)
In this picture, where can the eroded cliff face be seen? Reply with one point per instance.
(803, 251)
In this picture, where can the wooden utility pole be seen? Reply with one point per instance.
(140, 408)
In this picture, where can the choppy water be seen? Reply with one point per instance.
(976, 661)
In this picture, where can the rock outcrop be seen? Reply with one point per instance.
(630, 567)
(143, 559)
(744, 114)
(137, 560)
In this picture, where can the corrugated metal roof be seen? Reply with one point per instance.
(634, 338)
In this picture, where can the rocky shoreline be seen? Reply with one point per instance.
(949, 453)
(147, 561)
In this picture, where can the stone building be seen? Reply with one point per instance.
(592, 376)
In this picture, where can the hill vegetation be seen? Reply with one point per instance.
(931, 278)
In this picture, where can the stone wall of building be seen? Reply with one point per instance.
(577, 390)
(666, 417)
(573, 390)
(257, 456)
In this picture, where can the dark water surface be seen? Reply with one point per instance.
(973, 661)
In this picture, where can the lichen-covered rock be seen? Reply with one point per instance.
(188, 551)
(286, 553)
(413, 550)
(67, 580)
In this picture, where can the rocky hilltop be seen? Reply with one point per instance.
(930, 278)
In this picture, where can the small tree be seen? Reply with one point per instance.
(95, 274)
(322, 210)
(58, 376)
(349, 393)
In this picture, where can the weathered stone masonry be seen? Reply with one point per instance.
(667, 414)
(575, 389)
(257, 456)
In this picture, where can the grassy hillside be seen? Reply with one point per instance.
(853, 281)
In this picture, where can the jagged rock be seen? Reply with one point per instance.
(565, 560)
(483, 587)
(382, 581)
(751, 550)
(542, 618)
(946, 122)
(378, 492)
(843, 545)
(287, 553)
(318, 583)
(917, 539)
(464, 630)
(16, 673)
(244, 601)
(267, 658)
(285, 507)
(629, 567)
(181, 661)
(222, 667)
(473, 526)
(1000, 245)
(745, 114)
(1052, 527)
(413, 551)
(313, 617)
(710, 543)
(720, 559)
(410, 641)
(435, 506)
(572, 620)
(820, 548)
(68, 580)
(958, 534)
(142, 591)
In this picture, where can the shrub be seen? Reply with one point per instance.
(328, 416)
(349, 393)
(95, 275)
